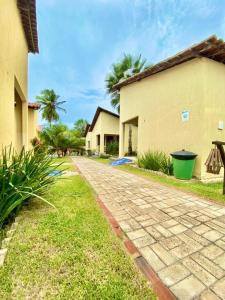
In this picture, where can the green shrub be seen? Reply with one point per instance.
(22, 176)
(112, 148)
(156, 161)
(103, 155)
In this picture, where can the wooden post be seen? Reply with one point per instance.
(220, 145)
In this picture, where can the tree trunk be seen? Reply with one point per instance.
(130, 150)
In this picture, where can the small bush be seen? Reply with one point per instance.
(22, 176)
(104, 156)
(112, 148)
(156, 161)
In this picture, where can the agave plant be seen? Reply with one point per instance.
(22, 176)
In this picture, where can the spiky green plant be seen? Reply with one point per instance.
(156, 161)
(22, 176)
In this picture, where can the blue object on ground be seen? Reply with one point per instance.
(121, 161)
(55, 173)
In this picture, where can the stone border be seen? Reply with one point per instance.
(162, 292)
(6, 241)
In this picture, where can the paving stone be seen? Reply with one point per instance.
(220, 243)
(163, 254)
(221, 261)
(203, 218)
(136, 234)
(188, 288)
(125, 226)
(162, 230)
(183, 250)
(173, 274)
(214, 225)
(169, 223)
(189, 241)
(212, 251)
(207, 264)
(142, 218)
(197, 238)
(171, 242)
(208, 295)
(204, 276)
(177, 229)
(152, 258)
(201, 229)
(154, 233)
(144, 241)
(148, 222)
(219, 288)
(212, 235)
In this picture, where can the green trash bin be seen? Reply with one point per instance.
(183, 164)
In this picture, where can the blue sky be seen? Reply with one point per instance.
(80, 39)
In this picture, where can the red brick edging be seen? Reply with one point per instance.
(163, 293)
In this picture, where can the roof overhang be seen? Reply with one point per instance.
(27, 10)
(97, 113)
(212, 48)
(34, 106)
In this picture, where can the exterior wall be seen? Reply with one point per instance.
(32, 125)
(13, 73)
(158, 102)
(214, 109)
(105, 124)
(96, 131)
(88, 141)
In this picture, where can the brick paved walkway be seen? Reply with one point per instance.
(181, 236)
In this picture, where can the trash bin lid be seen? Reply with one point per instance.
(184, 155)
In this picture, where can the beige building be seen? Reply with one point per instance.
(178, 103)
(103, 130)
(32, 122)
(18, 33)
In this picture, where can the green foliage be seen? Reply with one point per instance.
(104, 156)
(80, 126)
(50, 105)
(156, 161)
(112, 148)
(127, 67)
(61, 139)
(69, 255)
(22, 176)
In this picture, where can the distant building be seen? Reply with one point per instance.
(103, 130)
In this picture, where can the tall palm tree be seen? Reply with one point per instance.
(50, 105)
(127, 67)
(80, 126)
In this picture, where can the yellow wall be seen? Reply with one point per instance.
(13, 72)
(105, 124)
(196, 86)
(32, 125)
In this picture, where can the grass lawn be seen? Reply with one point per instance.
(210, 190)
(66, 163)
(70, 253)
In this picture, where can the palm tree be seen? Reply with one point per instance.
(80, 126)
(50, 105)
(127, 67)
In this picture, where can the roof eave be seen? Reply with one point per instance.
(212, 48)
(27, 10)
